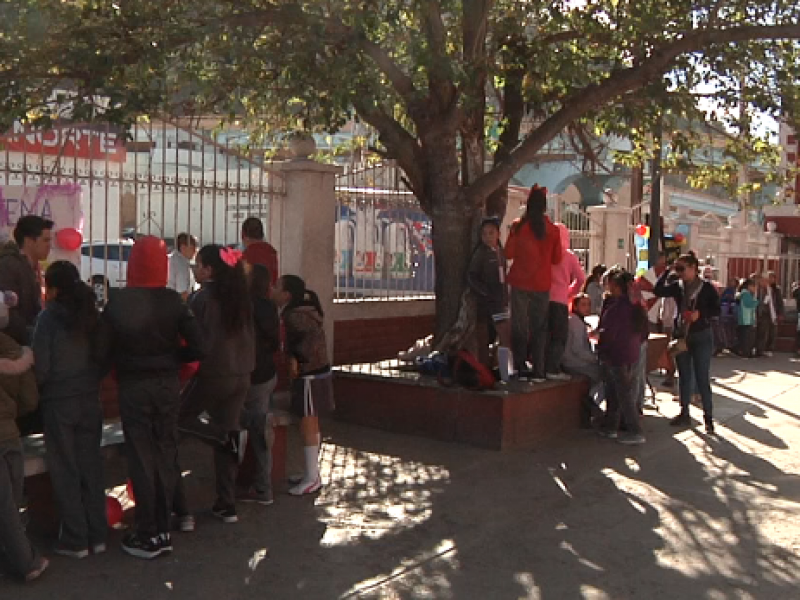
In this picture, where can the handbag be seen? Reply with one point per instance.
(679, 345)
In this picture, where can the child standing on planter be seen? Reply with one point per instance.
(487, 280)
(69, 375)
(311, 388)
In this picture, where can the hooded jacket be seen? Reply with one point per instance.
(305, 339)
(147, 329)
(17, 275)
(18, 393)
(567, 276)
(267, 330)
(533, 258)
(66, 363)
(229, 354)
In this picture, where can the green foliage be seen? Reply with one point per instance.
(414, 69)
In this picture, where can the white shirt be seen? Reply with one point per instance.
(181, 277)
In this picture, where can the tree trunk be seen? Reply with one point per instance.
(452, 224)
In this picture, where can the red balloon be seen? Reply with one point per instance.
(69, 239)
(679, 237)
(641, 229)
(129, 489)
(113, 511)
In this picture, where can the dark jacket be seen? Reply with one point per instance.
(777, 298)
(707, 302)
(17, 275)
(229, 354)
(267, 324)
(484, 279)
(143, 330)
(18, 394)
(619, 344)
(66, 363)
(305, 339)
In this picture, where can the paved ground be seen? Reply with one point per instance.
(686, 516)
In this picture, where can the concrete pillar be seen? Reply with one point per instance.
(611, 245)
(307, 221)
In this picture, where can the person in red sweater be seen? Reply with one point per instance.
(256, 250)
(534, 246)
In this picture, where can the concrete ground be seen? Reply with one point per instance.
(686, 516)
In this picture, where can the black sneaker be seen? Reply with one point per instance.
(142, 547)
(682, 420)
(165, 540)
(227, 514)
(237, 444)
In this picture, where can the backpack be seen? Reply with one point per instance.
(469, 372)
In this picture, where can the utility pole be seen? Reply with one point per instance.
(654, 245)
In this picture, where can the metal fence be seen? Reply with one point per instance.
(158, 178)
(383, 238)
(736, 266)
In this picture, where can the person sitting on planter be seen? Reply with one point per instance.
(579, 357)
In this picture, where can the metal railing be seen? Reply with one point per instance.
(729, 266)
(383, 238)
(158, 178)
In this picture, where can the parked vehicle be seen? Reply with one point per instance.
(104, 265)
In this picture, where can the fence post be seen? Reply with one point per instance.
(610, 245)
(307, 220)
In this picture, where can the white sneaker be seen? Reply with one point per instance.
(559, 377)
(306, 487)
(767, 353)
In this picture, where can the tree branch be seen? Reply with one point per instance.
(617, 84)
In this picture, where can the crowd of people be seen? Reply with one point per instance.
(188, 362)
(538, 310)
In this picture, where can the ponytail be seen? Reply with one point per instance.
(534, 213)
(299, 294)
(73, 294)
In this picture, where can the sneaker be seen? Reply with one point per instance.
(251, 495)
(304, 487)
(631, 439)
(607, 433)
(558, 377)
(142, 547)
(682, 420)
(237, 444)
(165, 541)
(294, 479)
(524, 375)
(225, 514)
(767, 353)
(99, 548)
(70, 551)
(185, 523)
(538, 378)
(39, 567)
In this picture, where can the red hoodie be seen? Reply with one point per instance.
(262, 253)
(148, 263)
(533, 258)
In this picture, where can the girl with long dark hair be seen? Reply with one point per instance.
(623, 329)
(698, 303)
(68, 374)
(534, 245)
(225, 313)
(593, 287)
(310, 369)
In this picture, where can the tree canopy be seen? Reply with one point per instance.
(431, 76)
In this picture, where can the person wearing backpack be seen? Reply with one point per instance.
(534, 246)
(487, 280)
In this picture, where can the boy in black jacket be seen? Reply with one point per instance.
(146, 325)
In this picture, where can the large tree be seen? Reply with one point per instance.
(431, 76)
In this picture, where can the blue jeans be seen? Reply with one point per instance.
(694, 371)
(529, 312)
(257, 420)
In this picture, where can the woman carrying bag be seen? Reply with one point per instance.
(698, 303)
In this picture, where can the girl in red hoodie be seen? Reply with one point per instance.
(534, 246)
